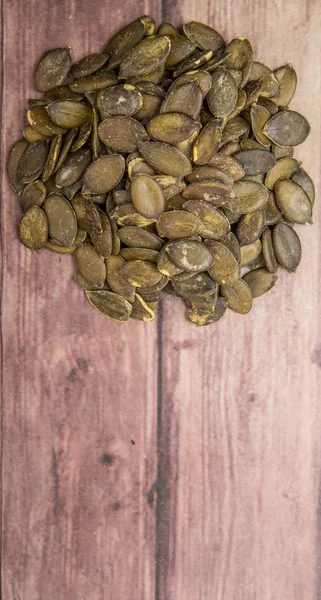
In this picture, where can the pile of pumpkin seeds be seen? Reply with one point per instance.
(164, 164)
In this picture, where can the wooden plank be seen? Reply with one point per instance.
(80, 392)
(238, 514)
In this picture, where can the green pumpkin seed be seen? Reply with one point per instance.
(180, 48)
(231, 242)
(139, 254)
(190, 255)
(194, 285)
(272, 214)
(268, 251)
(203, 172)
(31, 135)
(73, 168)
(214, 192)
(304, 180)
(287, 79)
(225, 269)
(208, 142)
(121, 134)
(15, 156)
(62, 220)
(111, 305)
(68, 141)
(239, 52)
(52, 69)
(116, 282)
(167, 29)
(255, 161)
(239, 296)
(124, 40)
(147, 196)
(171, 127)
(165, 158)
(69, 114)
(249, 196)
(33, 229)
(52, 158)
(170, 186)
(201, 317)
(185, 99)
(260, 281)
(250, 227)
(32, 161)
(287, 128)
(82, 137)
(33, 194)
(139, 238)
(146, 56)
(88, 216)
(104, 174)
(222, 96)
(120, 100)
(140, 273)
(58, 249)
(87, 65)
(250, 253)
(99, 80)
(196, 60)
(259, 118)
(61, 92)
(103, 240)
(287, 246)
(215, 224)
(177, 224)
(83, 283)
(283, 169)
(204, 36)
(90, 265)
(229, 165)
(40, 120)
(293, 202)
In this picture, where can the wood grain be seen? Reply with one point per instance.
(218, 495)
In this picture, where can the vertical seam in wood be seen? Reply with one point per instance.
(159, 452)
(1, 282)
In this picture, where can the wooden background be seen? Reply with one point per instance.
(158, 461)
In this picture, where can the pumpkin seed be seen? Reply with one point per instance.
(195, 285)
(120, 100)
(139, 254)
(287, 79)
(62, 220)
(239, 296)
(99, 80)
(147, 196)
(116, 282)
(69, 114)
(225, 269)
(208, 142)
(66, 147)
(250, 253)
(250, 227)
(214, 192)
(90, 265)
(292, 201)
(165, 158)
(249, 196)
(287, 246)
(222, 96)
(145, 56)
(268, 251)
(82, 137)
(304, 180)
(33, 194)
(110, 304)
(287, 128)
(190, 255)
(255, 161)
(52, 158)
(260, 281)
(283, 169)
(15, 156)
(139, 238)
(185, 99)
(52, 69)
(32, 161)
(140, 273)
(33, 229)
(180, 48)
(40, 121)
(214, 223)
(177, 224)
(204, 36)
(73, 168)
(125, 39)
(87, 65)
(171, 127)
(88, 216)
(104, 174)
(141, 310)
(121, 134)
(31, 135)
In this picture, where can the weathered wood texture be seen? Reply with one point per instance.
(222, 483)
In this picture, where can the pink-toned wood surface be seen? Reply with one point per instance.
(158, 461)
